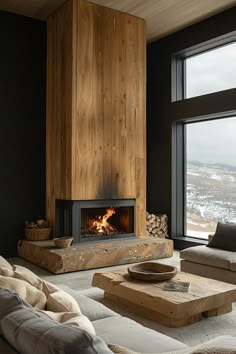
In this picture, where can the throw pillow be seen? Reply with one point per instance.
(6, 272)
(30, 331)
(4, 263)
(49, 288)
(25, 274)
(26, 291)
(225, 237)
(60, 301)
(71, 318)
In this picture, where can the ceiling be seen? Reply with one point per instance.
(163, 17)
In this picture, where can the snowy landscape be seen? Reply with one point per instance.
(211, 197)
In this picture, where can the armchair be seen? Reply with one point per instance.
(209, 262)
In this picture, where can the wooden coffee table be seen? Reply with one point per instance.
(206, 297)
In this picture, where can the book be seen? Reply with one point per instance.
(174, 285)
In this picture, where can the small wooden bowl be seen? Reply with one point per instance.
(151, 271)
(63, 242)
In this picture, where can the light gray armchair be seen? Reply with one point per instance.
(209, 262)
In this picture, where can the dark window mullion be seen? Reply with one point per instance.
(184, 181)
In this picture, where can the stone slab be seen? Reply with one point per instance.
(92, 255)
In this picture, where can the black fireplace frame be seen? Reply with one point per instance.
(68, 218)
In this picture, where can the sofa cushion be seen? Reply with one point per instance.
(93, 293)
(128, 333)
(25, 274)
(219, 345)
(210, 256)
(26, 291)
(72, 318)
(30, 331)
(60, 301)
(207, 271)
(225, 237)
(89, 307)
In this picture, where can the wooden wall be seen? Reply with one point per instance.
(59, 108)
(96, 136)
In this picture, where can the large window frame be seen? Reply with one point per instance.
(178, 63)
(178, 97)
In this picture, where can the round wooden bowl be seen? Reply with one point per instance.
(151, 271)
(63, 242)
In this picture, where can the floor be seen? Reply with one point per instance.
(196, 333)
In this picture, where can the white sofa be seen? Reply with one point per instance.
(116, 329)
(111, 327)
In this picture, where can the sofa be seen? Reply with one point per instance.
(26, 329)
(217, 260)
(209, 262)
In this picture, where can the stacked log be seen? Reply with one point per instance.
(157, 225)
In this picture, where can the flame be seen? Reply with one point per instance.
(102, 225)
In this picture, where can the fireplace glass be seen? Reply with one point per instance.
(94, 220)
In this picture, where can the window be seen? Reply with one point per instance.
(203, 147)
(211, 71)
(210, 175)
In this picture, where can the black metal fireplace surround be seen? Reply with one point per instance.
(95, 220)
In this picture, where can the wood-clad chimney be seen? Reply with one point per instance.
(96, 113)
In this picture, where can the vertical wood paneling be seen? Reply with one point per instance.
(140, 148)
(117, 110)
(59, 108)
(98, 111)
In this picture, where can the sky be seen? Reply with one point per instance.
(212, 141)
(212, 71)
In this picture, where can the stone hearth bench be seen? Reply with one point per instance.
(91, 255)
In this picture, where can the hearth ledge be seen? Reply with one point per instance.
(84, 256)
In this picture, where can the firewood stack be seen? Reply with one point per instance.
(157, 225)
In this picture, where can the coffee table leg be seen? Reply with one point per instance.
(168, 321)
(218, 311)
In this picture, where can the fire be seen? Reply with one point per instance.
(101, 225)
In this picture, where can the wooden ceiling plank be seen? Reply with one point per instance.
(163, 17)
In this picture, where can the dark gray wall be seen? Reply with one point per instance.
(162, 114)
(22, 131)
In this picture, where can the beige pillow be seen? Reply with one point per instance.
(25, 274)
(4, 263)
(71, 318)
(27, 292)
(60, 301)
(6, 272)
(49, 288)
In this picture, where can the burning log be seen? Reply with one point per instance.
(100, 225)
(157, 225)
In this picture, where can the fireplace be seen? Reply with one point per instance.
(94, 220)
